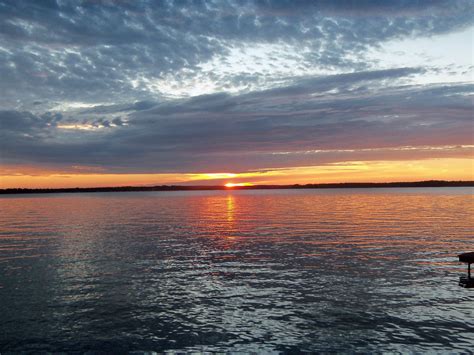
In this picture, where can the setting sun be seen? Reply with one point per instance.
(238, 184)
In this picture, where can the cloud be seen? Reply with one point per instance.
(155, 87)
(243, 132)
(95, 51)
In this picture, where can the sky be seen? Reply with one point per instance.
(131, 92)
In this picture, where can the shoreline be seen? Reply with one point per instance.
(430, 183)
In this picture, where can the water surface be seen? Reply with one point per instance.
(281, 270)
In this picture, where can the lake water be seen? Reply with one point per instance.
(267, 271)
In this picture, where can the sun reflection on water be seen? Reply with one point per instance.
(230, 208)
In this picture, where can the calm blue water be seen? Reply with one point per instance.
(265, 271)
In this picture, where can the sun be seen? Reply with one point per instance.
(237, 184)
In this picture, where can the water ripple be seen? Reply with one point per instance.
(247, 271)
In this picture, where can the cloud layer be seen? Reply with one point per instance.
(155, 87)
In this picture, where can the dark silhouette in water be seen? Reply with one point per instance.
(467, 282)
(350, 185)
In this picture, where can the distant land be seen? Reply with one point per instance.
(349, 185)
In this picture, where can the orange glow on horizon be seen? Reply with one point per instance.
(348, 171)
(237, 184)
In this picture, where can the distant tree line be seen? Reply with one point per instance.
(350, 185)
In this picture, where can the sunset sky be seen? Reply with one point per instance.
(125, 92)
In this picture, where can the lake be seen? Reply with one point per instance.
(353, 270)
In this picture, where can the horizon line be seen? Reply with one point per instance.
(131, 188)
